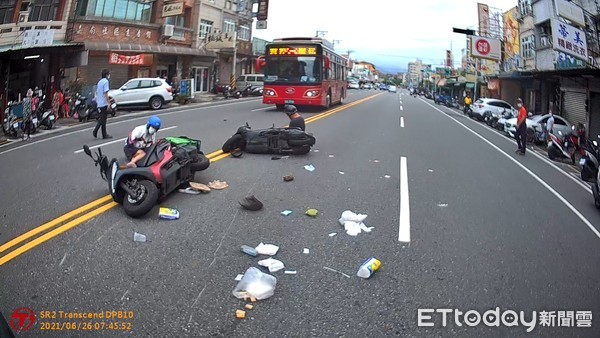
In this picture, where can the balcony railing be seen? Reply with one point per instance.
(12, 34)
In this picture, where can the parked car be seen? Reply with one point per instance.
(383, 86)
(353, 85)
(154, 92)
(536, 125)
(484, 107)
(501, 124)
(392, 89)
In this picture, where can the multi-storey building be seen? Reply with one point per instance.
(62, 43)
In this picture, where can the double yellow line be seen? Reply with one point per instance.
(85, 213)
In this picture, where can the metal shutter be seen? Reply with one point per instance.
(119, 74)
(594, 116)
(573, 107)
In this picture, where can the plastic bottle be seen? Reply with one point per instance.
(249, 251)
(368, 268)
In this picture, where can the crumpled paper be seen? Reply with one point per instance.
(274, 265)
(353, 223)
(267, 249)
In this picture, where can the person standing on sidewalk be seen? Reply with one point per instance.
(102, 101)
(549, 126)
(521, 134)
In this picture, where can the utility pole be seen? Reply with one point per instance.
(320, 34)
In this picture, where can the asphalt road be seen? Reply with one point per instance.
(488, 228)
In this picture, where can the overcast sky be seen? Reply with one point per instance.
(388, 33)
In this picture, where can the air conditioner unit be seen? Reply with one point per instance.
(23, 17)
(167, 31)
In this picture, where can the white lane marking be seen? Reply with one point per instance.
(264, 108)
(401, 121)
(404, 223)
(537, 178)
(126, 118)
(115, 141)
(548, 161)
(401, 108)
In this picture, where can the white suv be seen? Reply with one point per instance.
(485, 106)
(143, 91)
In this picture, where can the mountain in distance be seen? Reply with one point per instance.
(390, 69)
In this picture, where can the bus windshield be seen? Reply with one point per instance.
(293, 69)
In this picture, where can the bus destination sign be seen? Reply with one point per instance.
(293, 51)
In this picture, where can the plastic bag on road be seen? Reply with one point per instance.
(274, 265)
(256, 284)
(353, 223)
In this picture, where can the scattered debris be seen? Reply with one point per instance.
(168, 213)
(309, 167)
(330, 155)
(442, 205)
(274, 158)
(249, 306)
(312, 212)
(368, 268)
(332, 234)
(239, 277)
(286, 212)
(376, 161)
(290, 272)
(240, 314)
(251, 203)
(218, 185)
(200, 187)
(288, 178)
(190, 191)
(137, 237)
(274, 265)
(267, 249)
(430, 170)
(249, 250)
(334, 270)
(306, 251)
(387, 176)
(256, 285)
(341, 172)
(316, 150)
(353, 223)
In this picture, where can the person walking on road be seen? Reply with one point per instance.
(521, 134)
(549, 126)
(102, 101)
(296, 120)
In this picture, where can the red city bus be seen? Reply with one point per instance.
(304, 72)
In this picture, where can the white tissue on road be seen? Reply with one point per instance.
(271, 263)
(309, 167)
(267, 249)
(353, 223)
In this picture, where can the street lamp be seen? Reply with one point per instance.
(469, 33)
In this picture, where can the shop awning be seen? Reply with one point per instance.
(137, 48)
(470, 85)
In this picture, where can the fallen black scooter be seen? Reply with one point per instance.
(270, 141)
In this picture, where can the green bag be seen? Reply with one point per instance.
(182, 141)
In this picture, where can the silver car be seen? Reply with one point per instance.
(154, 92)
(536, 127)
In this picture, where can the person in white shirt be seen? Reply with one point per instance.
(549, 126)
(140, 138)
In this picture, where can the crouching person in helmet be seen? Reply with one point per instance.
(296, 120)
(140, 138)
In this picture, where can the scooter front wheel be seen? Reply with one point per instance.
(596, 193)
(147, 195)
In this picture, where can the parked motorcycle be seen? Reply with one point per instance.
(564, 146)
(270, 141)
(91, 110)
(12, 125)
(590, 155)
(45, 117)
(252, 91)
(231, 92)
(168, 164)
(78, 106)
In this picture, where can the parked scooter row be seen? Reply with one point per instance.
(248, 91)
(84, 111)
(13, 124)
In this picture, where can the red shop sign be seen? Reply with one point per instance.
(118, 59)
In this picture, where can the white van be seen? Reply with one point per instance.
(256, 80)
